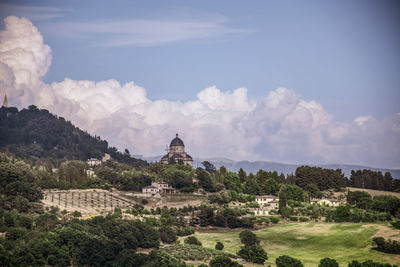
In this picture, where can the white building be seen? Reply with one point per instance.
(93, 162)
(90, 173)
(106, 157)
(260, 212)
(326, 201)
(160, 188)
(264, 200)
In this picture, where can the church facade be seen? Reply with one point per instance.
(176, 153)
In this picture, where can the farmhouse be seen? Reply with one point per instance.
(264, 200)
(176, 153)
(159, 188)
(326, 201)
(261, 211)
(93, 162)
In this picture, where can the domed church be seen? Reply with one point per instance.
(176, 153)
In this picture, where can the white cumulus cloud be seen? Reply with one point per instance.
(281, 126)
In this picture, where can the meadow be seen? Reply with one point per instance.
(310, 242)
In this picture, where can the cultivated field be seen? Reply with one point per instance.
(310, 242)
(374, 192)
(97, 201)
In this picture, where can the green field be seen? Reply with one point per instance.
(311, 242)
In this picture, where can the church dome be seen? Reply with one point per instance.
(176, 141)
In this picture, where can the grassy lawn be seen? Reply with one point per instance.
(310, 242)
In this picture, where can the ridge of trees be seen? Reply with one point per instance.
(38, 134)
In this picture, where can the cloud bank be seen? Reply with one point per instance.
(281, 126)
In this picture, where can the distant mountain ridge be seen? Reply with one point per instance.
(254, 166)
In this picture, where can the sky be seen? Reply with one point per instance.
(305, 82)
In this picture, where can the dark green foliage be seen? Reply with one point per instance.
(167, 234)
(34, 133)
(72, 174)
(209, 166)
(18, 185)
(292, 192)
(16, 233)
(360, 199)
(286, 261)
(313, 191)
(160, 258)
(303, 219)
(388, 246)
(222, 197)
(323, 178)
(273, 219)
(192, 240)
(184, 231)
(232, 182)
(98, 252)
(206, 215)
(327, 262)
(101, 241)
(253, 253)
(386, 203)
(219, 246)
(224, 261)
(193, 252)
(341, 214)
(369, 263)
(205, 180)
(372, 180)
(286, 212)
(396, 224)
(248, 238)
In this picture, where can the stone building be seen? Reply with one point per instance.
(265, 200)
(176, 153)
(160, 188)
(93, 162)
(326, 201)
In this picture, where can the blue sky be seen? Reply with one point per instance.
(302, 82)
(343, 54)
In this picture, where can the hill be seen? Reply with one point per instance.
(35, 134)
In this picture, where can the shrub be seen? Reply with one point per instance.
(225, 261)
(219, 246)
(387, 246)
(293, 219)
(15, 233)
(396, 224)
(327, 262)
(248, 238)
(167, 235)
(303, 219)
(274, 220)
(286, 261)
(184, 231)
(254, 253)
(369, 263)
(193, 252)
(160, 258)
(77, 213)
(192, 240)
